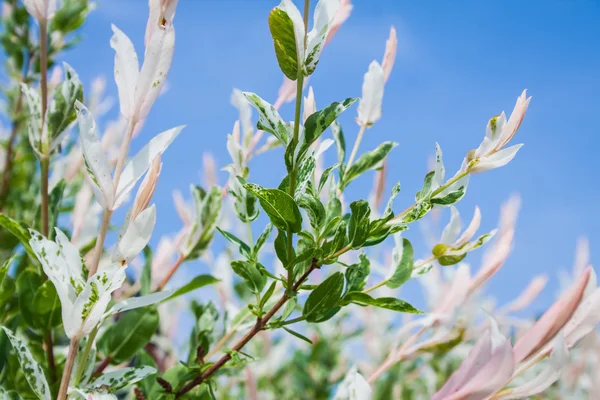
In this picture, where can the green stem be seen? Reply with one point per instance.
(293, 321)
(86, 353)
(44, 169)
(415, 266)
(294, 142)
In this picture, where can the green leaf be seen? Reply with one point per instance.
(32, 370)
(298, 335)
(46, 305)
(7, 284)
(389, 303)
(403, 257)
(129, 334)
(281, 247)
(6, 395)
(254, 278)
(318, 122)
(28, 284)
(146, 274)
(284, 39)
(339, 239)
(20, 231)
(242, 246)
(325, 177)
(358, 227)
(62, 113)
(196, 283)
(305, 255)
(450, 198)
(367, 161)
(314, 208)
(418, 211)
(279, 206)
(269, 119)
(427, 187)
(357, 274)
(324, 298)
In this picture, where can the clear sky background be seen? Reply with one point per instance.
(458, 64)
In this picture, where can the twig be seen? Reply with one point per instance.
(103, 364)
(259, 326)
(170, 273)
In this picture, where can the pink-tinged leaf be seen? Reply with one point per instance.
(478, 357)
(553, 369)
(127, 70)
(585, 320)
(471, 229)
(496, 160)
(553, 320)
(310, 106)
(342, 14)
(146, 189)
(157, 62)
(514, 122)
(369, 108)
(389, 56)
(529, 294)
(490, 377)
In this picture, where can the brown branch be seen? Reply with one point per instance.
(170, 273)
(102, 366)
(259, 326)
(50, 354)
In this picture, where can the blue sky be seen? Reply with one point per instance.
(458, 64)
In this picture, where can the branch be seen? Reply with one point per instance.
(259, 326)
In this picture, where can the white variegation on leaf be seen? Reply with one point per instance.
(36, 132)
(369, 108)
(136, 237)
(41, 10)
(121, 378)
(492, 153)
(353, 387)
(310, 106)
(323, 18)
(140, 163)
(269, 119)
(139, 88)
(99, 394)
(97, 167)
(34, 374)
(83, 301)
(238, 100)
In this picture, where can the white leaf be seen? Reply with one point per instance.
(496, 160)
(127, 70)
(40, 9)
(136, 237)
(121, 378)
(452, 230)
(389, 56)
(32, 370)
(238, 100)
(157, 62)
(353, 387)
(585, 319)
(323, 17)
(97, 167)
(471, 229)
(140, 163)
(369, 108)
(101, 394)
(139, 302)
(440, 171)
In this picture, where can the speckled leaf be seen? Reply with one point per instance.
(284, 39)
(269, 119)
(121, 378)
(33, 371)
(358, 226)
(61, 112)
